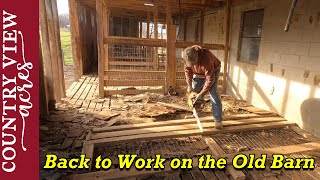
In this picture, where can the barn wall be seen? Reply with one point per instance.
(285, 79)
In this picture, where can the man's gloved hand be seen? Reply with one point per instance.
(198, 97)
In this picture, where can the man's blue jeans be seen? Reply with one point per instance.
(197, 85)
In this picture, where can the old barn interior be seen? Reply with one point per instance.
(128, 94)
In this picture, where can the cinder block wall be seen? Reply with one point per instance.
(289, 88)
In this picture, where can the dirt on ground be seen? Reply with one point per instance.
(68, 75)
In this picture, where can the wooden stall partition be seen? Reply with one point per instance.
(226, 44)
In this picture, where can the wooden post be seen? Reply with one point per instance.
(148, 24)
(201, 26)
(185, 28)
(155, 25)
(171, 51)
(59, 51)
(54, 52)
(140, 33)
(101, 23)
(75, 38)
(106, 28)
(226, 44)
(46, 52)
(44, 110)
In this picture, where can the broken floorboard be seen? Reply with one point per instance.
(121, 174)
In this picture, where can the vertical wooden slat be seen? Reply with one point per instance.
(59, 51)
(53, 50)
(140, 33)
(226, 44)
(43, 104)
(106, 31)
(185, 28)
(201, 26)
(102, 25)
(75, 37)
(46, 51)
(155, 23)
(148, 24)
(171, 51)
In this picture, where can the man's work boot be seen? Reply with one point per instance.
(218, 125)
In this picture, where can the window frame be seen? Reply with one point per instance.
(241, 36)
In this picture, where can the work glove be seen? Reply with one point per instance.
(198, 97)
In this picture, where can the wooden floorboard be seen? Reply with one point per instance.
(218, 151)
(177, 122)
(86, 102)
(193, 132)
(80, 91)
(194, 126)
(75, 89)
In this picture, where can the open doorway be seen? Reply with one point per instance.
(86, 61)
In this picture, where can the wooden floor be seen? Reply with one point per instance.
(84, 94)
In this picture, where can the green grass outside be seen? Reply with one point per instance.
(66, 46)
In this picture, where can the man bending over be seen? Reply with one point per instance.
(202, 70)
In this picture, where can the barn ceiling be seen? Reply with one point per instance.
(139, 8)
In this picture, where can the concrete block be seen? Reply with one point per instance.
(314, 49)
(310, 63)
(289, 60)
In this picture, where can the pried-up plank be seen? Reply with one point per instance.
(217, 151)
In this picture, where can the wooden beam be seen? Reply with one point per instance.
(217, 151)
(148, 25)
(193, 132)
(53, 50)
(132, 91)
(140, 33)
(46, 51)
(155, 27)
(206, 125)
(59, 50)
(226, 44)
(43, 102)
(136, 82)
(75, 38)
(117, 40)
(106, 31)
(171, 59)
(185, 44)
(101, 22)
(185, 24)
(135, 74)
(201, 26)
(176, 122)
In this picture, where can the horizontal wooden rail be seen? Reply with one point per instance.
(131, 91)
(117, 40)
(144, 82)
(184, 44)
(181, 74)
(135, 74)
